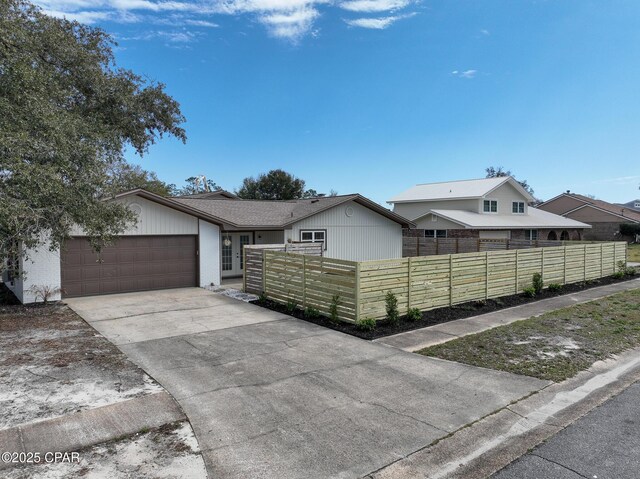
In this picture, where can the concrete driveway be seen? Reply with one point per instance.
(272, 396)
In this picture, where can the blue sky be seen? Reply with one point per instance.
(374, 96)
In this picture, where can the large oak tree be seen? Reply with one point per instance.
(67, 112)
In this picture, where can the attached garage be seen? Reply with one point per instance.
(133, 263)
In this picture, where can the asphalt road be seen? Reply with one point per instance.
(604, 444)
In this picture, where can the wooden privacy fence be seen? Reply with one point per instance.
(254, 257)
(421, 246)
(429, 282)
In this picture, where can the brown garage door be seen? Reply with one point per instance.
(133, 263)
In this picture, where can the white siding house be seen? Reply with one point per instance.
(353, 232)
(198, 241)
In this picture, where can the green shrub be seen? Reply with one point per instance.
(623, 270)
(391, 306)
(333, 308)
(554, 287)
(629, 229)
(414, 314)
(311, 313)
(366, 324)
(291, 306)
(537, 283)
(262, 298)
(529, 292)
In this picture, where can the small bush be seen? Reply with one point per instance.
(529, 292)
(333, 308)
(480, 303)
(262, 298)
(414, 314)
(391, 306)
(537, 283)
(44, 292)
(366, 324)
(623, 270)
(554, 287)
(311, 313)
(291, 306)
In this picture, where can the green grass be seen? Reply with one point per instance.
(556, 345)
(633, 253)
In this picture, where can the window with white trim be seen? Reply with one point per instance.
(435, 233)
(314, 236)
(490, 206)
(517, 207)
(531, 235)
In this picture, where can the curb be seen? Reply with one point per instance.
(482, 448)
(90, 427)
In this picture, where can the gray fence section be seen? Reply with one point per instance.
(253, 280)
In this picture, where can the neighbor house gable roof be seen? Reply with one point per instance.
(533, 220)
(458, 190)
(616, 210)
(261, 214)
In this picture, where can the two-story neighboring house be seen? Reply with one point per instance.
(490, 208)
(605, 218)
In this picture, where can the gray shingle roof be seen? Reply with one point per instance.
(275, 214)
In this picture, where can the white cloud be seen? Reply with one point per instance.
(485, 32)
(379, 23)
(87, 17)
(287, 19)
(464, 74)
(374, 5)
(201, 23)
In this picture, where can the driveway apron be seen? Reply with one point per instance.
(271, 396)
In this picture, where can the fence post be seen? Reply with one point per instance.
(517, 279)
(264, 271)
(584, 258)
(450, 280)
(486, 279)
(601, 259)
(409, 285)
(357, 291)
(244, 270)
(565, 266)
(304, 281)
(542, 267)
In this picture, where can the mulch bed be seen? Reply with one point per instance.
(440, 315)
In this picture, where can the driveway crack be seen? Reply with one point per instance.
(559, 464)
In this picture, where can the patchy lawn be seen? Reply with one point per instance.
(53, 363)
(556, 345)
(633, 253)
(166, 452)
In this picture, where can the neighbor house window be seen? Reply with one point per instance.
(490, 206)
(531, 235)
(517, 207)
(435, 233)
(314, 236)
(636, 204)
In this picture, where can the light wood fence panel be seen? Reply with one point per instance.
(429, 282)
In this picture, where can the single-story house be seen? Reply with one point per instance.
(605, 218)
(197, 240)
(487, 208)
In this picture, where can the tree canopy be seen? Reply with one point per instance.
(274, 185)
(495, 172)
(126, 177)
(67, 112)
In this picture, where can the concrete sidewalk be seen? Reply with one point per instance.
(77, 431)
(441, 333)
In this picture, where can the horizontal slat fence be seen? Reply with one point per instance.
(311, 281)
(253, 261)
(421, 246)
(428, 282)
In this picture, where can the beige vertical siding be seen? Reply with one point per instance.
(440, 224)
(155, 219)
(365, 235)
(506, 195)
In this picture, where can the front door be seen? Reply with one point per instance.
(232, 257)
